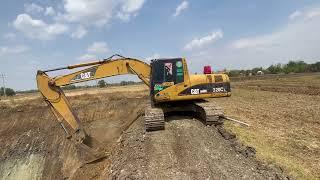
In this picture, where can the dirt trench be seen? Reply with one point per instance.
(34, 146)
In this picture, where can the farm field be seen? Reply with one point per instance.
(283, 113)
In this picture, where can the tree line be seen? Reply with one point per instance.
(290, 67)
(8, 91)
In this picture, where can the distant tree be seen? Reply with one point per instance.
(124, 83)
(275, 69)
(295, 67)
(255, 70)
(69, 87)
(290, 67)
(27, 91)
(101, 83)
(314, 67)
(248, 72)
(234, 73)
(9, 92)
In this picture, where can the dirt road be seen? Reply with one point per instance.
(185, 150)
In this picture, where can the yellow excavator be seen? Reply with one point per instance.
(171, 87)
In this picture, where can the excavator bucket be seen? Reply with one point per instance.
(87, 154)
(89, 150)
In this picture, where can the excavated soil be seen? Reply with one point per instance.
(34, 146)
(186, 150)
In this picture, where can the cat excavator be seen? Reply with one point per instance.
(172, 89)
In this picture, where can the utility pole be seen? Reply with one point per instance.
(4, 87)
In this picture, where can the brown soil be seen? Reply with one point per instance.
(186, 150)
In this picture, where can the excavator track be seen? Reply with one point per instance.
(154, 118)
(210, 112)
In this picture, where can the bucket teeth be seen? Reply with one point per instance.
(89, 155)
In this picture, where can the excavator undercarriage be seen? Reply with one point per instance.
(208, 112)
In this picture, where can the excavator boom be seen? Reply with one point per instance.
(51, 90)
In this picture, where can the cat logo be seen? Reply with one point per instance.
(194, 91)
(85, 75)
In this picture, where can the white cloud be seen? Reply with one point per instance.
(263, 41)
(154, 56)
(295, 15)
(203, 41)
(49, 11)
(306, 14)
(38, 29)
(292, 32)
(183, 6)
(130, 8)
(295, 40)
(87, 57)
(79, 33)
(98, 12)
(33, 8)
(5, 50)
(312, 13)
(98, 48)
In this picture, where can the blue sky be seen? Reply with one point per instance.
(43, 34)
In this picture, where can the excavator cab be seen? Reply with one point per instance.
(165, 73)
(170, 81)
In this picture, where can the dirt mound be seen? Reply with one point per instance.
(186, 150)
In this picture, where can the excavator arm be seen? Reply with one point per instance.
(53, 95)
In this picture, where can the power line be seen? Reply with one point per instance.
(3, 83)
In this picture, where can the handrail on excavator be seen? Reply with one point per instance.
(86, 64)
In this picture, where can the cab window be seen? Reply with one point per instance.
(168, 71)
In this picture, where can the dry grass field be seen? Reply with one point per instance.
(284, 114)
